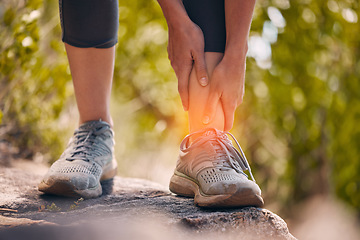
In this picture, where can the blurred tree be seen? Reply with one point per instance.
(302, 109)
(142, 70)
(33, 75)
(299, 120)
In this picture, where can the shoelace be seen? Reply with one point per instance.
(228, 156)
(87, 148)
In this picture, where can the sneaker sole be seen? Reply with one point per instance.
(185, 186)
(65, 188)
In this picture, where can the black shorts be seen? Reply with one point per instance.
(209, 15)
(89, 23)
(94, 23)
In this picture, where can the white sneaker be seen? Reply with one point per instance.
(87, 160)
(211, 170)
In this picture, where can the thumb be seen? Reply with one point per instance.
(200, 68)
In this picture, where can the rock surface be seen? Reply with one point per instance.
(128, 209)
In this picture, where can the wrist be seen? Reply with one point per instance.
(174, 13)
(235, 52)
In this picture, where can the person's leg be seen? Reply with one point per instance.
(198, 96)
(89, 157)
(210, 17)
(209, 167)
(89, 33)
(92, 71)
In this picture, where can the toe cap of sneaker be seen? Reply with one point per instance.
(240, 184)
(79, 181)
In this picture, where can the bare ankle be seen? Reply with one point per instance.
(107, 119)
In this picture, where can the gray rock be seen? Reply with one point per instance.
(129, 209)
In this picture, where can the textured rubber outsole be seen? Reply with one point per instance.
(65, 188)
(186, 187)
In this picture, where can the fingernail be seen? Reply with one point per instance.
(206, 120)
(203, 81)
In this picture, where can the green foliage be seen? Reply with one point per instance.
(76, 204)
(299, 116)
(54, 208)
(142, 70)
(302, 113)
(49, 208)
(33, 76)
(299, 120)
(145, 87)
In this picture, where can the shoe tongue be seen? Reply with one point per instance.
(209, 132)
(213, 141)
(199, 135)
(217, 146)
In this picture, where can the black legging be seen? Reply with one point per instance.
(209, 15)
(89, 23)
(94, 23)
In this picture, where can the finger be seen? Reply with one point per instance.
(183, 75)
(229, 108)
(210, 108)
(200, 68)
